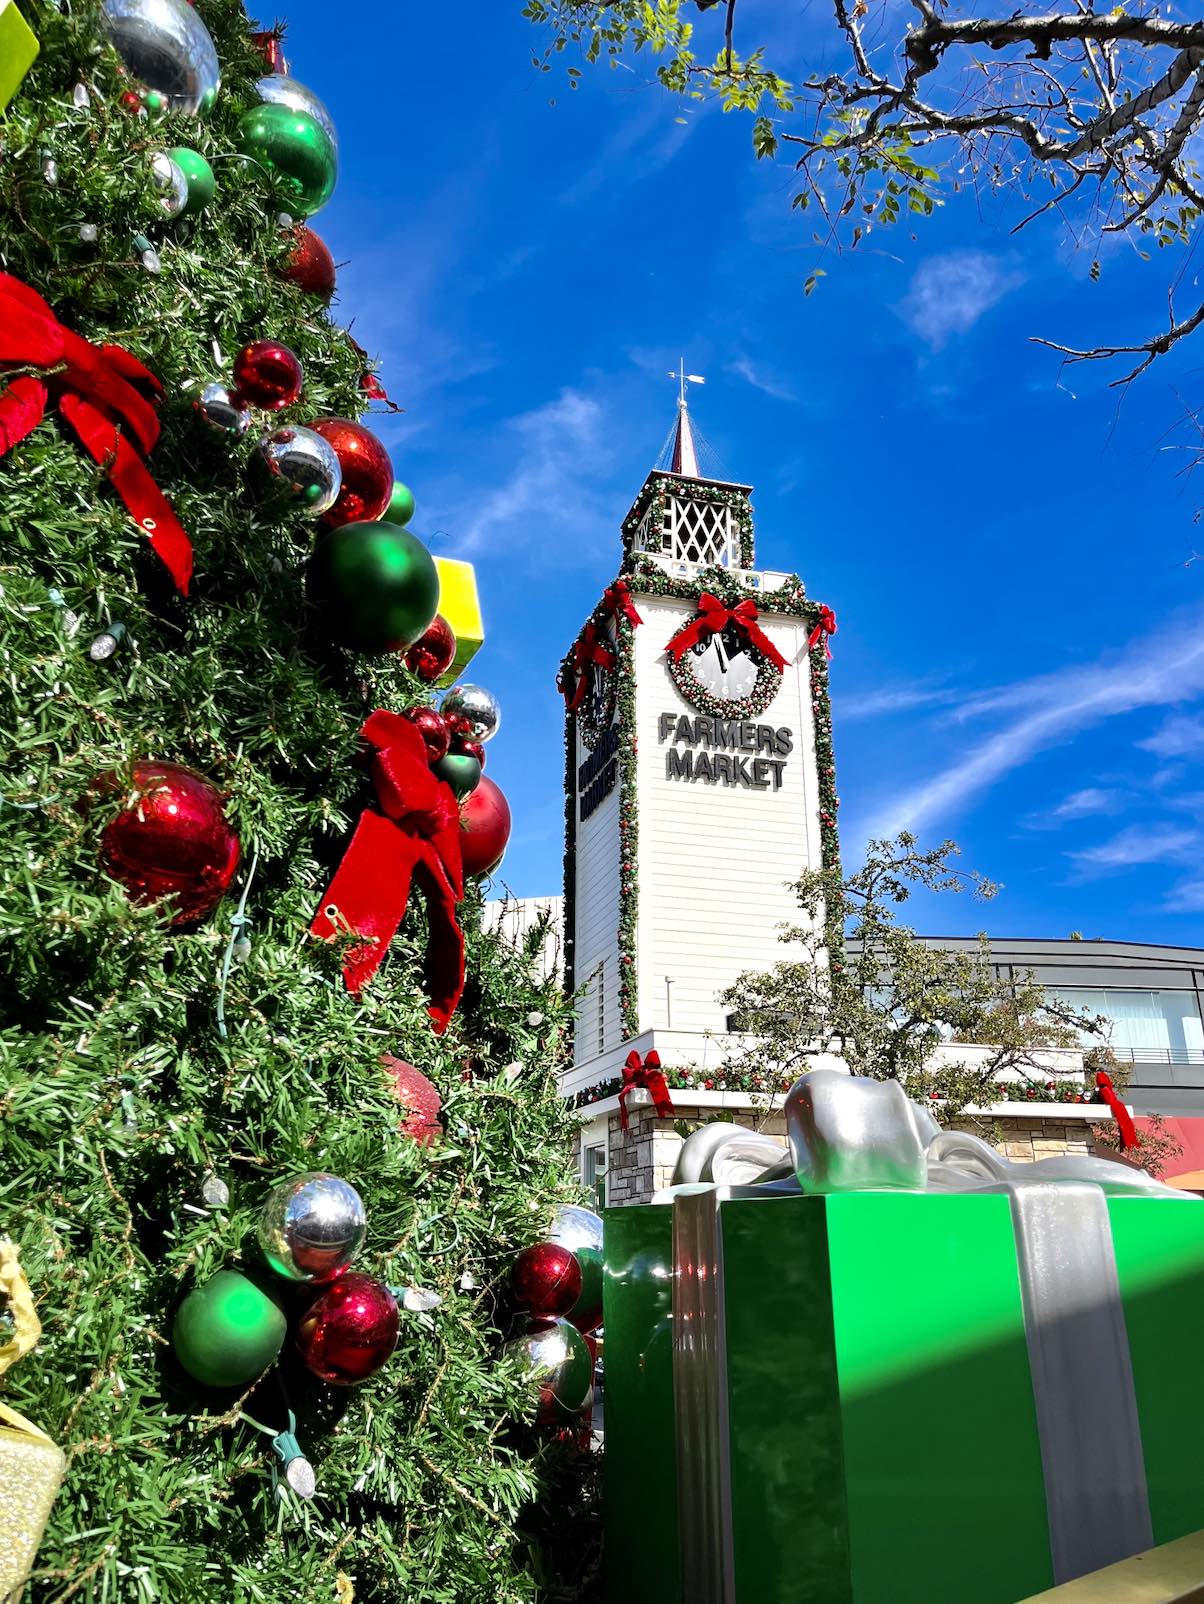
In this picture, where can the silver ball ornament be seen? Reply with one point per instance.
(477, 705)
(222, 409)
(312, 1226)
(171, 183)
(554, 1352)
(167, 47)
(302, 466)
(576, 1228)
(279, 89)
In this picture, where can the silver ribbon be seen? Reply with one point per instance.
(849, 1133)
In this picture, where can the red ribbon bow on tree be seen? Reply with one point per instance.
(415, 838)
(825, 627)
(98, 390)
(713, 616)
(646, 1073)
(590, 648)
(617, 599)
(1124, 1120)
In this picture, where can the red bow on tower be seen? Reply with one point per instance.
(590, 648)
(646, 1073)
(98, 390)
(415, 837)
(825, 627)
(713, 616)
(617, 599)
(1124, 1120)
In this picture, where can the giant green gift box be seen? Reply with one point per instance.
(875, 1399)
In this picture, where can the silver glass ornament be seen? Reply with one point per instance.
(312, 1226)
(576, 1228)
(302, 466)
(478, 706)
(167, 47)
(279, 89)
(171, 183)
(552, 1352)
(222, 409)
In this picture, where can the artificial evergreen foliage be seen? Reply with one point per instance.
(118, 1094)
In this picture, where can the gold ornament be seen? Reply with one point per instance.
(31, 1466)
(344, 1589)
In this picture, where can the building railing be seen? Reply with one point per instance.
(1160, 1055)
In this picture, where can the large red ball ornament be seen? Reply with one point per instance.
(268, 375)
(432, 654)
(175, 841)
(311, 266)
(349, 1332)
(432, 726)
(367, 472)
(484, 828)
(546, 1280)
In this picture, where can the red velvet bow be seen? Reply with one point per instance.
(99, 391)
(617, 599)
(825, 627)
(645, 1072)
(714, 616)
(1124, 1120)
(590, 648)
(415, 837)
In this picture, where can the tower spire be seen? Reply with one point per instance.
(685, 458)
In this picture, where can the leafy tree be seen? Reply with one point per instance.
(888, 1000)
(1156, 1147)
(124, 1109)
(1094, 115)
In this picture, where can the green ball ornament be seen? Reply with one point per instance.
(374, 586)
(401, 508)
(292, 145)
(228, 1331)
(197, 171)
(462, 772)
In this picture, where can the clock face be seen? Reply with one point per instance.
(726, 666)
(597, 711)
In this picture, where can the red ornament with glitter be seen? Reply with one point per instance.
(420, 1098)
(432, 654)
(175, 841)
(484, 828)
(311, 266)
(367, 472)
(349, 1331)
(267, 375)
(432, 726)
(546, 1280)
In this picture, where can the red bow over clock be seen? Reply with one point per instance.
(713, 617)
(826, 627)
(590, 648)
(107, 397)
(1124, 1120)
(645, 1073)
(617, 599)
(415, 838)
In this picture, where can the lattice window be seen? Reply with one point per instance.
(702, 532)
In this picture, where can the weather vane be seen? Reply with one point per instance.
(683, 379)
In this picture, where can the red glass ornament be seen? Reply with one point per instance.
(432, 654)
(311, 266)
(484, 827)
(367, 472)
(268, 375)
(469, 748)
(271, 47)
(130, 100)
(349, 1331)
(174, 841)
(419, 1097)
(546, 1279)
(432, 726)
(373, 388)
(458, 724)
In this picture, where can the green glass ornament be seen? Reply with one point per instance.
(462, 772)
(199, 175)
(292, 145)
(373, 585)
(228, 1331)
(401, 508)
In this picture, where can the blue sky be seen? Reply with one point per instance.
(1008, 545)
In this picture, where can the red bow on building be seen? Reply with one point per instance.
(590, 648)
(647, 1074)
(617, 599)
(414, 838)
(1124, 1120)
(713, 616)
(825, 627)
(98, 389)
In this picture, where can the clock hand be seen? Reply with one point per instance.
(721, 654)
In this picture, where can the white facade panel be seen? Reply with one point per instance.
(596, 923)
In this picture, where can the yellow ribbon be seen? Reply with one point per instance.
(27, 1328)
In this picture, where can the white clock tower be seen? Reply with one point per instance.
(699, 782)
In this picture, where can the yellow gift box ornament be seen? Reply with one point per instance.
(18, 48)
(31, 1466)
(459, 604)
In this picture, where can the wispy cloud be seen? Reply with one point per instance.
(894, 699)
(1078, 805)
(641, 143)
(1135, 845)
(767, 383)
(1186, 897)
(949, 293)
(1178, 737)
(1054, 708)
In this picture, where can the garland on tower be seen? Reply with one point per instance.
(656, 494)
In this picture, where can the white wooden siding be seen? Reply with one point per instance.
(596, 920)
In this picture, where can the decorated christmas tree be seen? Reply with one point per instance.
(281, 1145)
